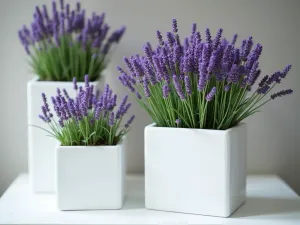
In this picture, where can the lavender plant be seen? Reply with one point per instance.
(89, 119)
(200, 84)
(65, 43)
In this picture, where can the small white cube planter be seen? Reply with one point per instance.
(90, 177)
(41, 148)
(195, 170)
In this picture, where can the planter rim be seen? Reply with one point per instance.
(36, 79)
(153, 125)
(120, 143)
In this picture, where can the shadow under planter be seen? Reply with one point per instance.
(260, 206)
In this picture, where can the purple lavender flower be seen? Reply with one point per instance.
(215, 60)
(263, 81)
(203, 66)
(170, 38)
(146, 88)
(97, 112)
(148, 52)
(166, 91)
(83, 103)
(149, 72)
(187, 64)
(120, 111)
(253, 57)
(227, 87)
(211, 94)
(43, 118)
(217, 39)
(45, 102)
(137, 94)
(187, 83)
(178, 121)
(263, 90)
(194, 28)
(285, 71)
(275, 77)
(61, 123)
(236, 57)
(174, 24)
(186, 44)
(129, 122)
(75, 84)
(227, 62)
(138, 70)
(234, 39)
(129, 65)
(282, 93)
(176, 54)
(201, 83)
(126, 108)
(246, 47)
(160, 38)
(66, 93)
(208, 36)
(252, 74)
(126, 81)
(111, 120)
(178, 87)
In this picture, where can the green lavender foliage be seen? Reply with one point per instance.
(85, 133)
(61, 63)
(224, 111)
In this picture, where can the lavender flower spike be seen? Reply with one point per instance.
(146, 88)
(178, 87)
(129, 122)
(166, 91)
(86, 80)
(282, 93)
(111, 119)
(75, 84)
(159, 37)
(211, 94)
(187, 83)
(175, 28)
(285, 71)
(234, 39)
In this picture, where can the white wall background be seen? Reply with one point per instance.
(273, 138)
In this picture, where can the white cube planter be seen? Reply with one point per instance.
(41, 148)
(90, 177)
(195, 170)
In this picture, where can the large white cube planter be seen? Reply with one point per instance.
(194, 170)
(41, 148)
(90, 177)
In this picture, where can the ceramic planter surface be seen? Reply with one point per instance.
(90, 177)
(194, 170)
(41, 148)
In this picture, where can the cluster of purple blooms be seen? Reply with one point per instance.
(50, 28)
(201, 59)
(88, 105)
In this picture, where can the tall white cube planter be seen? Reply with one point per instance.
(41, 148)
(90, 177)
(195, 170)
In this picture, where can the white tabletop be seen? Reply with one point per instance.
(269, 201)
